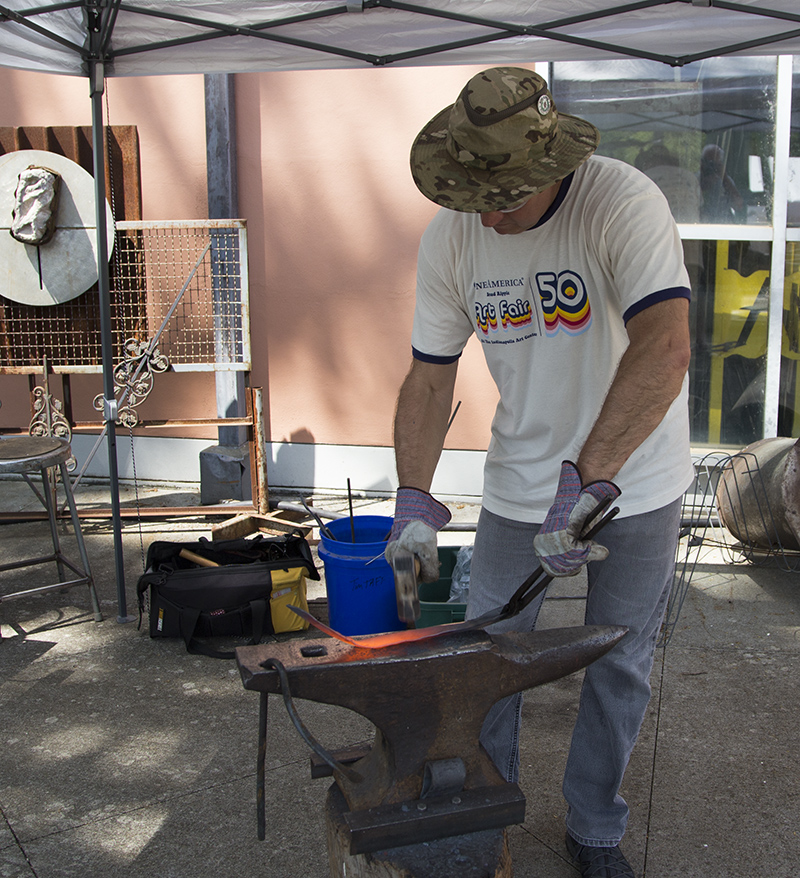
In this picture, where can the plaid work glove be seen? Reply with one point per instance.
(558, 544)
(417, 518)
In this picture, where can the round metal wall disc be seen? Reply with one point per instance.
(66, 266)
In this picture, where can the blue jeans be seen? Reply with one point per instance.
(630, 588)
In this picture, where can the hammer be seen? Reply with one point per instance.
(405, 566)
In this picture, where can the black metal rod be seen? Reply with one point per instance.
(106, 336)
(51, 503)
(231, 28)
(738, 47)
(323, 528)
(51, 7)
(608, 12)
(260, 767)
(452, 417)
(5, 12)
(753, 10)
(350, 773)
(350, 503)
(109, 19)
(221, 29)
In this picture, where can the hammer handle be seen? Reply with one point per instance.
(197, 559)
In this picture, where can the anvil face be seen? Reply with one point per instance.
(428, 699)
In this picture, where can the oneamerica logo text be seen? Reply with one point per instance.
(499, 284)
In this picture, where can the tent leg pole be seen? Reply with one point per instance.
(97, 86)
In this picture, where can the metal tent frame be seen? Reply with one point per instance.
(100, 38)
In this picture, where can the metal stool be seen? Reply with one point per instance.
(24, 455)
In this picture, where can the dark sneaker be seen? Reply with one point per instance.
(599, 862)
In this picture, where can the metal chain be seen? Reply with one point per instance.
(138, 507)
(116, 272)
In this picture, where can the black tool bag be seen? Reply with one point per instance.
(247, 595)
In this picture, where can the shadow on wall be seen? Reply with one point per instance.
(293, 464)
(302, 464)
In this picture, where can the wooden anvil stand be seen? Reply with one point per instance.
(424, 800)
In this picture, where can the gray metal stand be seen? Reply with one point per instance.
(27, 455)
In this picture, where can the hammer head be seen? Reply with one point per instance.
(406, 570)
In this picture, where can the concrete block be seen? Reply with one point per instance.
(225, 474)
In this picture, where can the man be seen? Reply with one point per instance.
(568, 268)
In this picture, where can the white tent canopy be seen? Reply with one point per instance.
(138, 37)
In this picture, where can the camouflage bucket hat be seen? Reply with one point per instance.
(501, 141)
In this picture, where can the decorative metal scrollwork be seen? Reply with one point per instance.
(134, 377)
(48, 415)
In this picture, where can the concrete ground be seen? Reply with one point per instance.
(125, 755)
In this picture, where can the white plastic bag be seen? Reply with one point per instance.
(459, 584)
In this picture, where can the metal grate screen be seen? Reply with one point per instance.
(196, 269)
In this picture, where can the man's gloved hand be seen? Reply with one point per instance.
(417, 518)
(558, 544)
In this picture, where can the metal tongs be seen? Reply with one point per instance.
(538, 581)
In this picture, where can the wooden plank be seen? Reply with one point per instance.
(235, 528)
(249, 523)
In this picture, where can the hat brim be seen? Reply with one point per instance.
(474, 190)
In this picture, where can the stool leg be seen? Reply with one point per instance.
(50, 505)
(76, 523)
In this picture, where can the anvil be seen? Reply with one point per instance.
(426, 774)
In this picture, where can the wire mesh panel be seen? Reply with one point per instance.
(183, 284)
(738, 482)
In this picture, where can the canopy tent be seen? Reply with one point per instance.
(102, 38)
(137, 37)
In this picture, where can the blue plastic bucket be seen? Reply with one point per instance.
(359, 582)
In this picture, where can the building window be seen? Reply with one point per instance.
(708, 135)
(704, 132)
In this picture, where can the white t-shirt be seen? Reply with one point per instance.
(549, 306)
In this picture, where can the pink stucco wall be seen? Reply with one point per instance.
(333, 225)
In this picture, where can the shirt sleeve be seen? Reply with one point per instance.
(442, 324)
(645, 249)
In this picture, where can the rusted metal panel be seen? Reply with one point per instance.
(258, 445)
